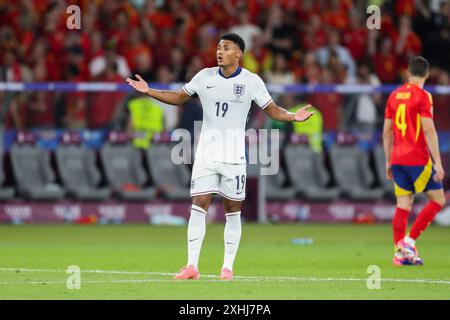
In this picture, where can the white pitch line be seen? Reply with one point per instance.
(214, 277)
(89, 271)
(108, 281)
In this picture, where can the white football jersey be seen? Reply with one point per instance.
(226, 103)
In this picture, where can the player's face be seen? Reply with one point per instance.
(228, 53)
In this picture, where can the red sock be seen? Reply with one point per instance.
(424, 219)
(399, 224)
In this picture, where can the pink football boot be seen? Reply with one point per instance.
(226, 274)
(188, 272)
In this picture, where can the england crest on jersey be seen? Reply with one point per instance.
(238, 90)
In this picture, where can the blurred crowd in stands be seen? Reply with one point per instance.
(288, 41)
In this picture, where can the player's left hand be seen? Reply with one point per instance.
(388, 172)
(439, 175)
(140, 85)
(303, 114)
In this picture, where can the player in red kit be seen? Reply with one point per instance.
(409, 137)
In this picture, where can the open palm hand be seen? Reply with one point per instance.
(140, 85)
(303, 114)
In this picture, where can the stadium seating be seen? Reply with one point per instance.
(33, 174)
(351, 168)
(134, 175)
(308, 173)
(171, 180)
(78, 171)
(124, 170)
(276, 189)
(5, 192)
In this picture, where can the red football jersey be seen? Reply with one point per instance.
(405, 107)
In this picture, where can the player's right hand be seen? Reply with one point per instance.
(140, 85)
(439, 175)
(388, 172)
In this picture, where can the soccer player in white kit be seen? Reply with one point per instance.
(226, 93)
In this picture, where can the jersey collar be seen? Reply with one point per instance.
(414, 85)
(236, 73)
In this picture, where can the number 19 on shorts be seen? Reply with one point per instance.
(240, 182)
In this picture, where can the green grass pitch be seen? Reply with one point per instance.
(138, 262)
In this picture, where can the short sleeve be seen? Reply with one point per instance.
(387, 111)
(260, 94)
(193, 86)
(426, 106)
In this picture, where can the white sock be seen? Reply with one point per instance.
(231, 236)
(196, 234)
(410, 241)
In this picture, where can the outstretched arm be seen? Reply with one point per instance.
(278, 113)
(167, 96)
(431, 138)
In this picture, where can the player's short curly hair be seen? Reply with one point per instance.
(418, 66)
(236, 39)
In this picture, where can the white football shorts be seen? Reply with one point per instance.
(226, 179)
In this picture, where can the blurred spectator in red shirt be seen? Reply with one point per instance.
(27, 22)
(222, 14)
(120, 31)
(207, 44)
(157, 16)
(42, 56)
(71, 109)
(385, 62)
(40, 105)
(336, 14)
(54, 33)
(96, 46)
(313, 36)
(306, 9)
(441, 104)
(330, 104)
(106, 105)
(136, 47)
(405, 7)
(355, 37)
(407, 43)
(163, 47)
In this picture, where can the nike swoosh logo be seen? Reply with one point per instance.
(230, 242)
(239, 192)
(209, 87)
(190, 240)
